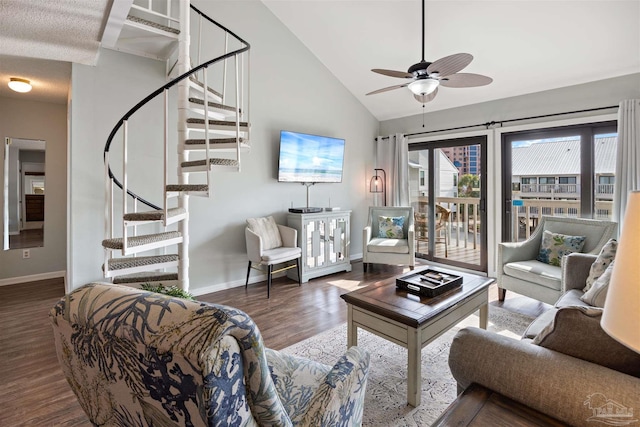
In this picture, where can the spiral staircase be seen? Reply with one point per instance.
(148, 241)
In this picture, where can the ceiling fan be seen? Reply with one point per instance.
(427, 76)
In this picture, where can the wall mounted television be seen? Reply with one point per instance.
(310, 158)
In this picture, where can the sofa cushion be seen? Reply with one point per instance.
(539, 323)
(391, 227)
(571, 298)
(555, 245)
(397, 246)
(576, 331)
(535, 271)
(599, 266)
(597, 293)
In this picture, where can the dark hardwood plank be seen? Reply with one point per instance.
(33, 389)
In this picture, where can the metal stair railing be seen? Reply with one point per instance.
(111, 181)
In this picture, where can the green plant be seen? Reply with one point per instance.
(172, 291)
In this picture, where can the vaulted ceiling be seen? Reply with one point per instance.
(526, 46)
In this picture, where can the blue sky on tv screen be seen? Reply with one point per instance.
(312, 157)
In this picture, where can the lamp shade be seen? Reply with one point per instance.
(19, 85)
(376, 185)
(423, 86)
(621, 316)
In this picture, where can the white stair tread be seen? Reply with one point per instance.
(152, 24)
(155, 215)
(145, 239)
(147, 276)
(132, 262)
(217, 105)
(187, 187)
(195, 82)
(212, 162)
(216, 122)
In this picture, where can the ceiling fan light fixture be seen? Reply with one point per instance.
(423, 86)
(19, 85)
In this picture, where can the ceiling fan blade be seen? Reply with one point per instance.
(423, 99)
(387, 89)
(450, 64)
(465, 80)
(393, 73)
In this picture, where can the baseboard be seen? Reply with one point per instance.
(233, 284)
(33, 278)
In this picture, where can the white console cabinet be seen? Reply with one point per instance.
(324, 239)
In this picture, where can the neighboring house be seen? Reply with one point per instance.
(551, 170)
(419, 172)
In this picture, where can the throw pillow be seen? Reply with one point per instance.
(555, 245)
(268, 231)
(390, 227)
(597, 293)
(605, 257)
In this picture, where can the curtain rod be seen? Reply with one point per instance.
(492, 123)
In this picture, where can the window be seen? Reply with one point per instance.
(567, 180)
(575, 166)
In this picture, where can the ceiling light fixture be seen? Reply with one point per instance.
(19, 85)
(423, 86)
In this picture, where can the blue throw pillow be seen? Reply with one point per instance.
(390, 227)
(555, 245)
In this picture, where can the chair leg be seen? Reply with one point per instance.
(246, 283)
(299, 275)
(364, 266)
(269, 270)
(502, 293)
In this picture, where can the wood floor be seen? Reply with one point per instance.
(33, 391)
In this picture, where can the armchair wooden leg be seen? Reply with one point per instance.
(299, 275)
(269, 270)
(501, 294)
(246, 283)
(364, 266)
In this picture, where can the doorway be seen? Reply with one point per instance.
(448, 194)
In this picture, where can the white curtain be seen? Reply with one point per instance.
(628, 156)
(392, 155)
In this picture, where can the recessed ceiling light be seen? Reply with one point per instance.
(19, 85)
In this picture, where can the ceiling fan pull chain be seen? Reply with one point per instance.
(423, 115)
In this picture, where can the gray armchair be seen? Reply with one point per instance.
(519, 271)
(389, 249)
(269, 244)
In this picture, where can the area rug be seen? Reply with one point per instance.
(386, 397)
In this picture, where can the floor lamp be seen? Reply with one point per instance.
(378, 185)
(621, 315)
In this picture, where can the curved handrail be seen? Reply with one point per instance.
(160, 90)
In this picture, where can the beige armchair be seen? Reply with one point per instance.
(519, 271)
(269, 244)
(391, 248)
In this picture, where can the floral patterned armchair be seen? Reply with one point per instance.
(137, 358)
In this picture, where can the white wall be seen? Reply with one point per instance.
(47, 122)
(291, 90)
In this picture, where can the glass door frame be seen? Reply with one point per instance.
(431, 146)
(587, 133)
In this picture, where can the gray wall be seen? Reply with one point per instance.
(47, 122)
(291, 90)
(572, 98)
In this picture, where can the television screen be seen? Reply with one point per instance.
(310, 158)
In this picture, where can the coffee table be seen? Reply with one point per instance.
(413, 321)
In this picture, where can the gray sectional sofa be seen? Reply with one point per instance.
(565, 365)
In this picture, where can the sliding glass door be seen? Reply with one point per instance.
(566, 171)
(447, 192)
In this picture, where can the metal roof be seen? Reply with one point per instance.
(558, 158)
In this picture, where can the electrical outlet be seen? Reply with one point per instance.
(26, 253)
